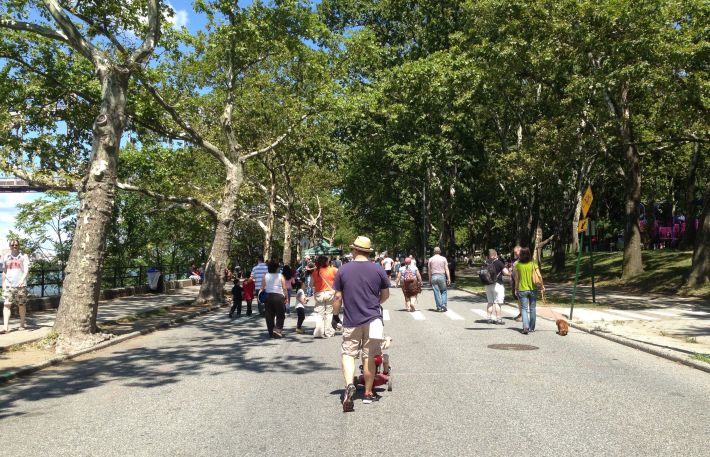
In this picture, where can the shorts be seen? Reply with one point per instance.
(15, 296)
(356, 339)
(495, 293)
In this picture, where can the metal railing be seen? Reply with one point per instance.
(47, 282)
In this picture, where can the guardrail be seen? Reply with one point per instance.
(47, 282)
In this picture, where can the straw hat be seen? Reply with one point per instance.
(362, 243)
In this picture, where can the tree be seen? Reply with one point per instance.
(93, 40)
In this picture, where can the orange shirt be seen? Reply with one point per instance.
(323, 278)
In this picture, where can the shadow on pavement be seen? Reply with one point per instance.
(221, 348)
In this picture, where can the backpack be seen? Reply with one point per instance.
(409, 274)
(488, 274)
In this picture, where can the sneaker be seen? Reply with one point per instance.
(489, 321)
(500, 322)
(525, 331)
(278, 334)
(347, 398)
(369, 398)
(299, 330)
(444, 309)
(518, 318)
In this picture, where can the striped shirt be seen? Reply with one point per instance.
(258, 273)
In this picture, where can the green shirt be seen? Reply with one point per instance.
(523, 274)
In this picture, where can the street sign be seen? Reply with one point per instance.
(587, 201)
(583, 224)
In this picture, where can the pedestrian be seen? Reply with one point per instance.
(258, 273)
(248, 289)
(495, 292)
(439, 278)
(323, 277)
(361, 287)
(290, 278)
(387, 264)
(15, 268)
(411, 281)
(452, 269)
(514, 280)
(308, 275)
(274, 284)
(526, 290)
(236, 299)
(301, 301)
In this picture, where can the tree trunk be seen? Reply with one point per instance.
(575, 219)
(689, 235)
(287, 238)
(700, 270)
(633, 265)
(78, 306)
(212, 289)
(269, 231)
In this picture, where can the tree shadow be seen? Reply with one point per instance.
(221, 348)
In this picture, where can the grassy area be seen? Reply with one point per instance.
(702, 357)
(665, 272)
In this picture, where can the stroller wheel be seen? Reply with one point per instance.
(389, 384)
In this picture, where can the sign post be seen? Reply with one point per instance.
(592, 233)
(583, 227)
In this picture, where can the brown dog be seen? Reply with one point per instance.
(562, 327)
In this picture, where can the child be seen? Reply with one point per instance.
(301, 300)
(236, 299)
(248, 291)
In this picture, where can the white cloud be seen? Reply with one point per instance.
(179, 19)
(8, 211)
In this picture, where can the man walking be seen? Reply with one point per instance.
(495, 292)
(360, 287)
(514, 280)
(15, 268)
(439, 278)
(387, 264)
(258, 272)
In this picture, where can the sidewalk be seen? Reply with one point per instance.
(679, 325)
(40, 324)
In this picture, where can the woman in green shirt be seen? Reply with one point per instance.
(525, 289)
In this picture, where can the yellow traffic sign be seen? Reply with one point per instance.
(583, 224)
(587, 201)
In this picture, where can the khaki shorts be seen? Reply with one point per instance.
(15, 296)
(356, 339)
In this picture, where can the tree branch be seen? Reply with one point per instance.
(275, 143)
(105, 32)
(142, 53)
(74, 36)
(34, 28)
(169, 198)
(42, 181)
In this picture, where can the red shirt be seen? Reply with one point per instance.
(248, 292)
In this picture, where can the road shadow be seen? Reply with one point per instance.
(220, 347)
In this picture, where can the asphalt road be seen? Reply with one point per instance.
(219, 387)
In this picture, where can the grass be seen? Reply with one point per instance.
(701, 357)
(665, 272)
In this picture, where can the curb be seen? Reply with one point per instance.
(7, 376)
(623, 341)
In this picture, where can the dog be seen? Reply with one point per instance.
(562, 327)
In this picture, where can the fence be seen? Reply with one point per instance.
(47, 282)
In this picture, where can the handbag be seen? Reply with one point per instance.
(412, 287)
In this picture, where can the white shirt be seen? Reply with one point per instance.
(273, 284)
(14, 268)
(387, 263)
(300, 295)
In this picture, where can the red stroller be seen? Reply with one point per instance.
(383, 373)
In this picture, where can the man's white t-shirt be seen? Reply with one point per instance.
(14, 268)
(387, 263)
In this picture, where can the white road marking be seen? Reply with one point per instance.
(589, 315)
(418, 316)
(453, 315)
(386, 315)
(480, 312)
(511, 312)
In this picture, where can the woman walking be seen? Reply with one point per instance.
(323, 277)
(411, 281)
(525, 288)
(275, 286)
(289, 276)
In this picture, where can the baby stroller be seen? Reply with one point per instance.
(383, 369)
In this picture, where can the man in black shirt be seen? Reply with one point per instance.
(495, 293)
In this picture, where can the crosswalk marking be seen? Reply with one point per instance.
(418, 316)
(453, 315)
(480, 312)
(510, 312)
(588, 315)
(386, 315)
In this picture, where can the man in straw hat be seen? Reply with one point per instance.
(360, 287)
